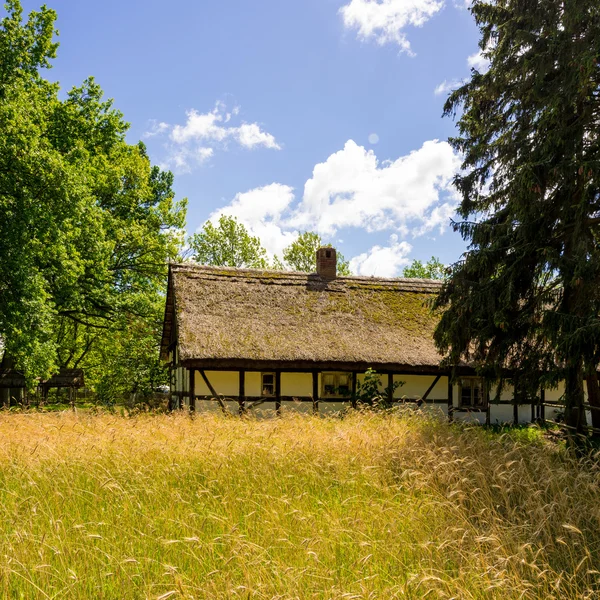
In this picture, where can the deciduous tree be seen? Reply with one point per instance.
(228, 244)
(432, 269)
(87, 224)
(301, 254)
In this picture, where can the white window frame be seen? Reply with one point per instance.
(262, 384)
(337, 376)
(483, 393)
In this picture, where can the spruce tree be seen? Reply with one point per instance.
(525, 297)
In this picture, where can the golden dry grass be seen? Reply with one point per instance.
(299, 507)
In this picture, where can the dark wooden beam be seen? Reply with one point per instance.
(390, 387)
(257, 402)
(242, 392)
(315, 391)
(278, 392)
(214, 392)
(515, 403)
(353, 389)
(543, 405)
(306, 366)
(192, 390)
(450, 399)
(426, 394)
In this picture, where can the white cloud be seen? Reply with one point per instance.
(155, 128)
(250, 135)
(210, 127)
(203, 153)
(447, 86)
(478, 62)
(382, 261)
(352, 189)
(195, 141)
(261, 211)
(385, 20)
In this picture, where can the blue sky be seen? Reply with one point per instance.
(317, 115)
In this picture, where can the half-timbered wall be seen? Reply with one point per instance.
(296, 392)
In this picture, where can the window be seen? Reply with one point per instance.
(336, 385)
(268, 384)
(472, 393)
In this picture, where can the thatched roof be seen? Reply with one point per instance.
(65, 378)
(247, 317)
(11, 378)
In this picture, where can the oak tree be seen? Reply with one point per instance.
(228, 244)
(87, 223)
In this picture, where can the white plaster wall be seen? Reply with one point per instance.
(470, 417)
(289, 406)
(225, 383)
(181, 380)
(525, 413)
(554, 395)
(416, 385)
(253, 383)
(506, 394)
(296, 384)
(502, 413)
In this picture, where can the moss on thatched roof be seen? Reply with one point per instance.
(223, 314)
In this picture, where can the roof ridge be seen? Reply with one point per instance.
(254, 272)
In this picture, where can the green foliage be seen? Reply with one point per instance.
(369, 390)
(87, 224)
(301, 254)
(526, 296)
(228, 244)
(432, 269)
(128, 366)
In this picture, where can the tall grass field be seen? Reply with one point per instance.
(368, 506)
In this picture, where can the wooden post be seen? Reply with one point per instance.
(390, 388)
(192, 390)
(214, 392)
(515, 403)
(315, 392)
(242, 392)
(450, 399)
(486, 393)
(5, 396)
(533, 410)
(353, 389)
(430, 388)
(278, 392)
(543, 406)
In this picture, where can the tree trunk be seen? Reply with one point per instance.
(5, 393)
(574, 410)
(594, 398)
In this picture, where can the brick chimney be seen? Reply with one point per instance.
(327, 263)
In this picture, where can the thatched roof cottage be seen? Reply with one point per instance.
(239, 338)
